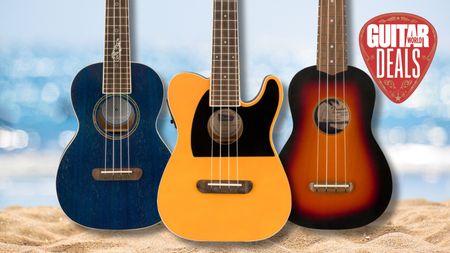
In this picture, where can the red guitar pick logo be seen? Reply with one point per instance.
(398, 49)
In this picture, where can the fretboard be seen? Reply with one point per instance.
(332, 37)
(225, 78)
(116, 67)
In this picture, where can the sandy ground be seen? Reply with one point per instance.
(411, 226)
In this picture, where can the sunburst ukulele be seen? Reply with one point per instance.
(224, 181)
(338, 174)
(109, 175)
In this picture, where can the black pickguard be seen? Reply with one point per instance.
(257, 120)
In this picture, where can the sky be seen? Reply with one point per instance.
(45, 43)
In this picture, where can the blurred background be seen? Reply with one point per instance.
(43, 44)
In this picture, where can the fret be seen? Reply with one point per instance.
(123, 66)
(122, 62)
(111, 39)
(226, 15)
(110, 63)
(225, 40)
(110, 77)
(229, 80)
(226, 46)
(224, 62)
(224, 104)
(117, 92)
(224, 100)
(226, 53)
(117, 86)
(117, 82)
(332, 38)
(228, 93)
(118, 77)
(224, 97)
(112, 34)
(225, 50)
(218, 48)
(117, 13)
(117, 89)
(121, 84)
(225, 57)
(227, 64)
(224, 70)
(217, 9)
(332, 7)
(324, 66)
(226, 32)
(217, 84)
(225, 91)
(333, 27)
(124, 76)
(228, 21)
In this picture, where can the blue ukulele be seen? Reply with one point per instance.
(108, 177)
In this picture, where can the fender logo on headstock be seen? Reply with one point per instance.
(398, 49)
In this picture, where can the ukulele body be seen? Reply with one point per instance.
(113, 203)
(366, 180)
(200, 216)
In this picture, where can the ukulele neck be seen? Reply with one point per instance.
(332, 37)
(225, 78)
(117, 64)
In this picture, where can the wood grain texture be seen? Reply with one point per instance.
(113, 205)
(366, 166)
(197, 216)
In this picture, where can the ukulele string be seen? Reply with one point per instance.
(121, 87)
(237, 62)
(114, 95)
(335, 92)
(327, 101)
(228, 87)
(344, 46)
(319, 84)
(105, 87)
(221, 93)
(128, 79)
(212, 91)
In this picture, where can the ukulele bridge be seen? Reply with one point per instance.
(125, 174)
(339, 188)
(224, 186)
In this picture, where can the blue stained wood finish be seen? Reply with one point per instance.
(113, 204)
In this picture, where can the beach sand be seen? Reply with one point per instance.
(410, 226)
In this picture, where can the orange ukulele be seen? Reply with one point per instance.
(224, 181)
(338, 174)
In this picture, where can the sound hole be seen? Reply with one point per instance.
(332, 116)
(116, 117)
(225, 126)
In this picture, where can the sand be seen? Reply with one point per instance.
(410, 226)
